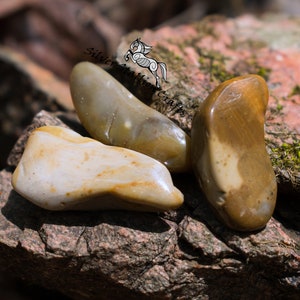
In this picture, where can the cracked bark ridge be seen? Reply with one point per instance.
(201, 55)
(183, 254)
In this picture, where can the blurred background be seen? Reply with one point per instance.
(55, 33)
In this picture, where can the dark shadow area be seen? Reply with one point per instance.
(24, 214)
(14, 288)
(19, 103)
(287, 211)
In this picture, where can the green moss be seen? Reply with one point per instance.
(168, 57)
(248, 44)
(279, 107)
(213, 63)
(206, 27)
(287, 156)
(263, 72)
(296, 90)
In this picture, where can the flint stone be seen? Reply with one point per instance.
(183, 254)
(201, 55)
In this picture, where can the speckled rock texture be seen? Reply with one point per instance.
(201, 55)
(183, 254)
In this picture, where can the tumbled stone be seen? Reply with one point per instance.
(61, 170)
(229, 154)
(112, 115)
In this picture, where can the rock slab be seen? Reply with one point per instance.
(183, 254)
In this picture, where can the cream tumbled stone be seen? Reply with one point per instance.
(62, 170)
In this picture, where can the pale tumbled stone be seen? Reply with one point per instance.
(61, 170)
